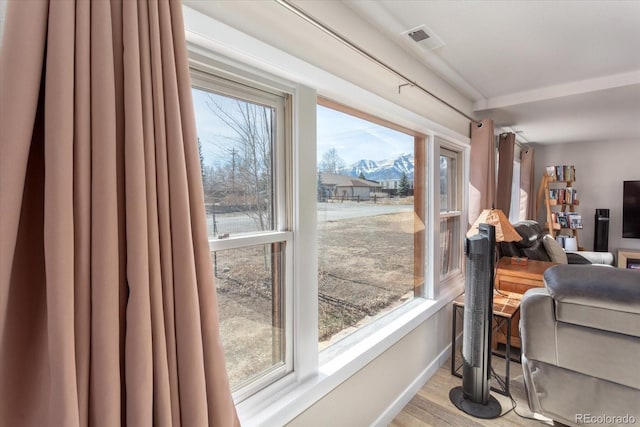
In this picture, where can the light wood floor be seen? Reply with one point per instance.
(432, 407)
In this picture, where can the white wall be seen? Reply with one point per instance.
(374, 395)
(600, 169)
(271, 23)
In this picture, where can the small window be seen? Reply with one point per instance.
(370, 219)
(241, 138)
(450, 212)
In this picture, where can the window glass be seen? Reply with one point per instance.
(251, 326)
(514, 210)
(235, 139)
(450, 214)
(240, 139)
(448, 182)
(366, 222)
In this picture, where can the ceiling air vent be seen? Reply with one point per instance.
(424, 37)
(418, 35)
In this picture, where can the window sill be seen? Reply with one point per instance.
(281, 402)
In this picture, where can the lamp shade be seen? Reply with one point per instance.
(504, 230)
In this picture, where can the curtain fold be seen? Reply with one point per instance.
(482, 173)
(108, 311)
(506, 147)
(527, 186)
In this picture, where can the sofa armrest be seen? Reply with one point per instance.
(537, 326)
(605, 258)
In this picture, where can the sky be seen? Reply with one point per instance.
(354, 139)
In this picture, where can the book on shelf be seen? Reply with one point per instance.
(567, 219)
(562, 172)
(551, 171)
(563, 196)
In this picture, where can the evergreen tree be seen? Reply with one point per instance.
(361, 175)
(321, 191)
(403, 187)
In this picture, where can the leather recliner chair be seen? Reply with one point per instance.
(531, 247)
(581, 345)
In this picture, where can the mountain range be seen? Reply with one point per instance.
(382, 170)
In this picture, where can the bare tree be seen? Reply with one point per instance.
(246, 178)
(331, 161)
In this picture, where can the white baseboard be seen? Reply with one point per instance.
(405, 397)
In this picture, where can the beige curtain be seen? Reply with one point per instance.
(527, 186)
(506, 147)
(482, 173)
(107, 303)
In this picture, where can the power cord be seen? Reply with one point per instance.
(514, 404)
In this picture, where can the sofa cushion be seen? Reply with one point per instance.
(554, 250)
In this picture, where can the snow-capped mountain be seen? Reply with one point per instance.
(382, 170)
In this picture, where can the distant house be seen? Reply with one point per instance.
(348, 186)
(394, 184)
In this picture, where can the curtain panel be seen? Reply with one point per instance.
(482, 173)
(107, 303)
(506, 148)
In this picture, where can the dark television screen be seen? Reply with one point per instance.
(631, 210)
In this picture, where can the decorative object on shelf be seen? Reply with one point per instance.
(517, 260)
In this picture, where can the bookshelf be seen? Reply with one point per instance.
(560, 201)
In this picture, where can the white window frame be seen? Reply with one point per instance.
(460, 154)
(211, 80)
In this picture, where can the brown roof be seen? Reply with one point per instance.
(347, 181)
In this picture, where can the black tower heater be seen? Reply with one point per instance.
(601, 235)
(473, 397)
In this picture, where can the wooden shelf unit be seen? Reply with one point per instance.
(543, 193)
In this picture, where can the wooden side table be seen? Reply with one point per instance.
(506, 306)
(518, 278)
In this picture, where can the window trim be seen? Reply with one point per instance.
(239, 87)
(461, 154)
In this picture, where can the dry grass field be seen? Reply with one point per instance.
(365, 268)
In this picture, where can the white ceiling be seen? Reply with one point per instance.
(553, 71)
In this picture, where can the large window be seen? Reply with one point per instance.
(370, 200)
(450, 212)
(243, 153)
